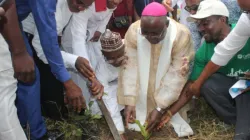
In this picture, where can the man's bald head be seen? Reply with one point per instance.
(153, 22)
(154, 28)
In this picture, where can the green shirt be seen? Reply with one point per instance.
(240, 63)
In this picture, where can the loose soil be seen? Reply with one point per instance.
(204, 122)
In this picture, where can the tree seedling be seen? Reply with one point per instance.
(146, 135)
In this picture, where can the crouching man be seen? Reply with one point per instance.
(159, 51)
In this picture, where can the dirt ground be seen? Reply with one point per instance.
(204, 122)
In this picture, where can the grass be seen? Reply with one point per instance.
(207, 125)
(204, 122)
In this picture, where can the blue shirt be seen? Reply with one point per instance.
(44, 15)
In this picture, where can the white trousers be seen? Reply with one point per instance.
(10, 128)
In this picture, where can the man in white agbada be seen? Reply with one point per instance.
(107, 73)
(159, 50)
(84, 30)
(83, 33)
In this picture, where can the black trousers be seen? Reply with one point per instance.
(232, 111)
(52, 91)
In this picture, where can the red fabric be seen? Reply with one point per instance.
(126, 7)
(100, 5)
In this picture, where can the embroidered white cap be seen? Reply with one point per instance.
(209, 8)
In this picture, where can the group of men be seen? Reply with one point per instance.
(151, 81)
(34, 30)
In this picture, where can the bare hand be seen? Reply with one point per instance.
(193, 89)
(96, 36)
(130, 114)
(24, 67)
(164, 119)
(96, 88)
(247, 75)
(118, 62)
(82, 65)
(74, 96)
(168, 5)
(153, 120)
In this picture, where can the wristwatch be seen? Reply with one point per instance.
(159, 110)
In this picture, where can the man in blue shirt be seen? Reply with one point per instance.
(28, 95)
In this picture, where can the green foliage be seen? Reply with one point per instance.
(68, 129)
(146, 135)
(72, 128)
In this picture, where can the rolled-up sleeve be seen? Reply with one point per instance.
(233, 43)
(44, 15)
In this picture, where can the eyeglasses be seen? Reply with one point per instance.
(153, 36)
(204, 22)
(192, 8)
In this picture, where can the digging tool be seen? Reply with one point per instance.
(108, 119)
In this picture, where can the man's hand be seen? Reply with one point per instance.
(193, 89)
(82, 65)
(24, 67)
(118, 62)
(164, 119)
(130, 114)
(153, 120)
(168, 5)
(96, 36)
(247, 75)
(96, 88)
(74, 95)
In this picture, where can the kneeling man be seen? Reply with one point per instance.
(159, 51)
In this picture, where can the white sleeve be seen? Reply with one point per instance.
(62, 15)
(38, 47)
(233, 43)
(29, 24)
(78, 27)
(175, 2)
(69, 60)
(103, 24)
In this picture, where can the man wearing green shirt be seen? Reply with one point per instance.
(212, 20)
(232, 69)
